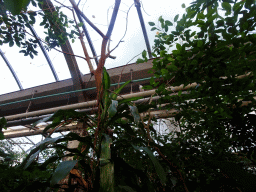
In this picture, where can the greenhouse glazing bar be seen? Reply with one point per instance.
(11, 69)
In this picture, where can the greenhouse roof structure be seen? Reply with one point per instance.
(32, 89)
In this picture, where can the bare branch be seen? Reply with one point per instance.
(55, 48)
(106, 38)
(82, 41)
(86, 19)
(121, 40)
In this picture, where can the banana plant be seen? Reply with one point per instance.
(122, 136)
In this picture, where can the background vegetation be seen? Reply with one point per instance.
(215, 147)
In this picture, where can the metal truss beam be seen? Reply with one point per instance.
(137, 5)
(44, 52)
(11, 69)
(68, 54)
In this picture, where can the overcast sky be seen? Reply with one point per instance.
(34, 72)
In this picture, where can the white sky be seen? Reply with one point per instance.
(34, 72)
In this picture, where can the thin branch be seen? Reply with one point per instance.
(63, 5)
(121, 40)
(82, 42)
(143, 8)
(106, 38)
(55, 48)
(86, 19)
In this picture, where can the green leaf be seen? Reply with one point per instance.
(117, 91)
(238, 6)
(31, 159)
(126, 188)
(172, 68)
(159, 169)
(179, 93)
(61, 171)
(3, 122)
(168, 23)
(50, 160)
(80, 24)
(135, 114)
(200, 16)
(151, 23)
(226, 6)
(153, 28)
(112, 108)
(178, 46)
(199, 43)
(140, 61)
(15, 6)
(164, 72)
(183, 5)
(144, 54)
(106, 79)
(161, 19)
(129, 100)
(1, 135)
(176, 17)
(11, 43)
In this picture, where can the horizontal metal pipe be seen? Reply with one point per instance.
(39, 131)
(8, 134)
(68, 92)
(91, 103)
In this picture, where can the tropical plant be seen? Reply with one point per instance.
(214, 66)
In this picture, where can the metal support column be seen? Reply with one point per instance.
(44, 52)
(87, 35)
(137, 5)
(11, 69)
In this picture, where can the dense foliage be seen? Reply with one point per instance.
(215, 147)
(217, 137)
(15, 25)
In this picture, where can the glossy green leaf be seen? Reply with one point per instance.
(199, 43)
(200, 16)
(117, 91)
(106, 79)
(144, 54)
(226, 6)
(80, 24)
(140, 61)
(135, 113)
(151, 23)
(113, 108)
(159, 169)
(129, 100)
(31, 159)
(15, 6)
(178, 46)
(176, 17)
(168, 23)
(61, 171)
(153, 28)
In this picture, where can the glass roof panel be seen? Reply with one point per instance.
(34, 72)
